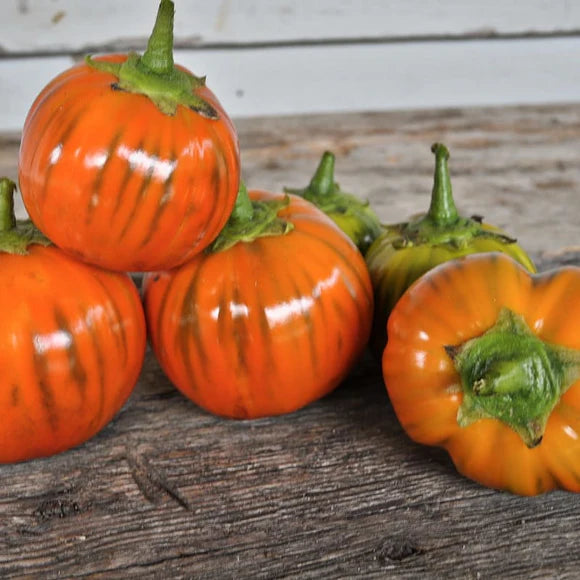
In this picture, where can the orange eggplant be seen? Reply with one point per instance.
(130, 162)
(72, 342)
(268, 321)
(483, 359)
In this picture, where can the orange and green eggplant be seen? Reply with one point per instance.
(483, 360)
(130, 162)
(267, 320)
(406, 251)
(353, 216)
(72, 342)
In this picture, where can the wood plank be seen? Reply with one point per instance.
(516, 166)
(335, 490)
(21, 80)
(329, 79)
(49, 26)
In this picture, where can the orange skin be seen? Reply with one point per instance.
(72, 342)
(460, 300)
(265, 327)
(112, 180)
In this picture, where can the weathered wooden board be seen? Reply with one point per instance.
(57, 26)
(330, 78)
(300, 57)
(519, 167)
(335, 490)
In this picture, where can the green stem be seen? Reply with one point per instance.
(511, 375)
(353, 216)
(443, 227)
(322, 182)
(15, 235)
(442, 224)
(158, 57)
(7, 217)
(243, 210)
(154, 73)
(252, 219)
(504, 377)
(442, 210)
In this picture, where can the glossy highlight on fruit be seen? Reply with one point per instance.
(483, 359)
(130, 162)
(269, 321)
(72, 343)
(406, 251)
(355, 217)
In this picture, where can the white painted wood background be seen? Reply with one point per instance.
(279, 57)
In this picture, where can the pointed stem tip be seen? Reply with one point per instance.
(442, 210)
(322, 183)
(159, 54)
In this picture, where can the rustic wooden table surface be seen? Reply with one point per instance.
(335, 490)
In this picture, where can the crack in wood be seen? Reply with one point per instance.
(196, 42)
(152, 482)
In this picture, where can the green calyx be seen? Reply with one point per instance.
(511, 375)
(252, 219)
(15, 236)
(354, 216)
(154, 74)
(442, 224)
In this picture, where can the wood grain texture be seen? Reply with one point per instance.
(56, 26)
(517, 166)
(335, 490)
(259, 56)
(334, 77)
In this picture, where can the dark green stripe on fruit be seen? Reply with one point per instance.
(157, 331)
(307, 319)
(94, 199)
(15, 395)
(74, 361)
(162, 204)
(116, 322)
(189, 327)
(61, 143)
(42, 371)
(265, 329)
(220, 204)
(239, 330)
(141, 194)
(129, 172)
(101, 365)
